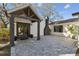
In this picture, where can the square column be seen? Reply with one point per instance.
(38, 29)
(12, 30)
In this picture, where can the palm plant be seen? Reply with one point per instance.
(73, 30)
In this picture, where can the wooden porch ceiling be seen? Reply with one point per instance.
(28, 12)
(23, 17)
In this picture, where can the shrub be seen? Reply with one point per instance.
(4, 34)
(73, 30)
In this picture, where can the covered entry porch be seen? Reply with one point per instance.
(20, 22)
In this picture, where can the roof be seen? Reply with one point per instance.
(17, 8)
(65, 21)
(77, 13)
(24, 6)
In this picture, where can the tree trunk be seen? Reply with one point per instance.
(47, 29)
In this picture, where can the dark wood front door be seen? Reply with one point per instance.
(23, 29)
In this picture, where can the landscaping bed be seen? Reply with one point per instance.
(4, 42)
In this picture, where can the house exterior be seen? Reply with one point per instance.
(27, 26)
(60, 28)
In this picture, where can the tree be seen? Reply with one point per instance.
(47, 30)
(73, 30)
(4, 14)
(48, 10)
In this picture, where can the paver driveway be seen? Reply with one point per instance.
(47, 46)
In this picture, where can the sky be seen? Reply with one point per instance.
(64, 9)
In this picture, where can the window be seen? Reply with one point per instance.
(23, 28)
(58, 28)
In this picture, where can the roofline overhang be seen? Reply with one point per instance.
(31, 19)
(75, 14)
(16, 9)
(22, 7)
(65, 21)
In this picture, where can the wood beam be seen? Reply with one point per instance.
(28, 11)
(25, 11)
(38, 30)
(32, 15)
(12, 30)
(16, 29)
(26, 18)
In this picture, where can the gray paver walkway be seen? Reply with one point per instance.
(47, 46)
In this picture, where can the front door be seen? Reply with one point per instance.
(23, 29)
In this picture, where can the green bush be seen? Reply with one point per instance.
(4, 33)
(73, 30)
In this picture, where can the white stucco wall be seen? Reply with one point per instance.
(42, 26)
(15, 29)
(55, 33)
(65, 30)
(34, 28)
